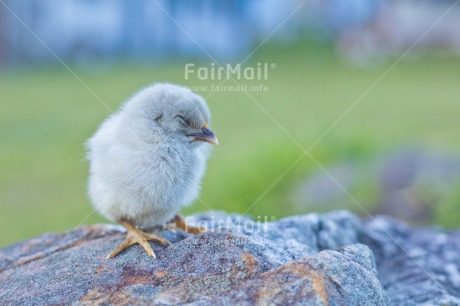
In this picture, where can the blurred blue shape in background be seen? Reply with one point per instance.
(81, 30)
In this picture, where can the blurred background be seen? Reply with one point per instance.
(359, 110)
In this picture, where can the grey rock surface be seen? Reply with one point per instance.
(329, 259)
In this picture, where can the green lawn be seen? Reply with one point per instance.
(47, 114)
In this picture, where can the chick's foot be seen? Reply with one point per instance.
(179, 222)
(135, 235)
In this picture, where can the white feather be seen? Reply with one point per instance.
(144, 170)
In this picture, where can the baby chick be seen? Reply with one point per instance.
(147, 161)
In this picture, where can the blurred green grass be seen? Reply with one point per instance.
(47, 114)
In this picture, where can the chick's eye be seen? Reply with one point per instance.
(182, 121)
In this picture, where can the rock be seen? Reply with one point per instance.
(310, 259)
(316, 280)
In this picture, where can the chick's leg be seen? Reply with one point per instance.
(135, 235)
(179, 222)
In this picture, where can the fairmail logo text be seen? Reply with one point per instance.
(213, 72)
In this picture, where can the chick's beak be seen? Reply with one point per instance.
(206, 135)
